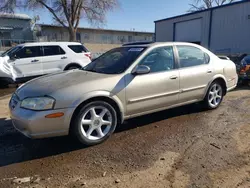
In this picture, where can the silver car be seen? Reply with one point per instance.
(126, 82)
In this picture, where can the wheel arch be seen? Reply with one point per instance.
(113, 101)
(72, 64)
(222, 80)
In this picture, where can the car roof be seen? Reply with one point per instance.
(49, 43)
(150, 44)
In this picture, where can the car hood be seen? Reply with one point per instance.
(74, 82)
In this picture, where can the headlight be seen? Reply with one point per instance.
(38, 103)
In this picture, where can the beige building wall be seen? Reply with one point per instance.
(93, 36)
(96, 41)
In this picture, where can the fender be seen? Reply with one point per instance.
(214, 78)
(94, 94)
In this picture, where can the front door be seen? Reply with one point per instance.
(28, 62)
(157, 89)
(195, 73)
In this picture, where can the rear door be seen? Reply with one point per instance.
(195, 72)
(54, 59)
(28, 62)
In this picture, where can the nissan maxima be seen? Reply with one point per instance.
(126, 82)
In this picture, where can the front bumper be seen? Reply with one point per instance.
(33, 124)
(232, 83)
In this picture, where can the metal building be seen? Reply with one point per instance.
(14, 29)
(223, 30)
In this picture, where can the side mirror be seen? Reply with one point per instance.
(141, 69)
(13, 58)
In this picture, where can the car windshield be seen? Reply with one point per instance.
(11, 51)
(115, 61)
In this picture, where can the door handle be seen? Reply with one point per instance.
(173, 77)
(35, 60)
(209, 71)
(64, 57)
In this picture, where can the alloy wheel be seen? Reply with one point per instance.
(96, 122)
(215, 95)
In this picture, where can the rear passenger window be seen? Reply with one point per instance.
(53, 50)
(78, 48)
(191, 56)
(28, 52)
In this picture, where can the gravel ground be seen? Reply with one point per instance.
(181, 147)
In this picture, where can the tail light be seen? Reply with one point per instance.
(88, 55)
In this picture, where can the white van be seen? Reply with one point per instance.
(29, 60)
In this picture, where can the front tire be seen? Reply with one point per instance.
(94, 123)
(214, 95)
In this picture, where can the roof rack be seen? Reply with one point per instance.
(138, 43)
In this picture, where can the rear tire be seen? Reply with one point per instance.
(214, 95)
(94, 123)
(73, 67)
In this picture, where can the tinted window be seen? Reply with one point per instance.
(28, 52)
(52, 50)
(160, 59)
(115, 61)
(11, 51)
(191, 56)
(78, 48)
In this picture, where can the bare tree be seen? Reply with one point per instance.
(67, 13)
(205, 4)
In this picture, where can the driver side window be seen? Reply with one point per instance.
(28, 52)
(160, 59)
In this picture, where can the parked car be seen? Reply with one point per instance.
(243, 69)
(35, 59)
(123, 83)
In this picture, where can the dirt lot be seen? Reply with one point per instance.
(182, 147)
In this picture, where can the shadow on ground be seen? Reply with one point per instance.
(15, 148)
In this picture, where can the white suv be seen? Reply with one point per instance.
(34, 59)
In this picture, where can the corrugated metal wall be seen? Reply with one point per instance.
(193, 35)
(231, 29)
